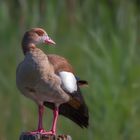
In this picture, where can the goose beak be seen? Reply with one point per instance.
(49, 41)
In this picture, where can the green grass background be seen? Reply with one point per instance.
(101, 39)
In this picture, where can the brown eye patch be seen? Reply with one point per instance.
(39, 31)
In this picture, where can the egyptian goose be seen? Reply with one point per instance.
(49, 80)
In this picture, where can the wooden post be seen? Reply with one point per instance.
(25, 136)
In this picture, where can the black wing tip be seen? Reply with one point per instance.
(82, 83)
(79, 116)
(84, 124)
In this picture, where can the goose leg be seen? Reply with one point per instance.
(55, 118)
(40, 116)
(40, 125)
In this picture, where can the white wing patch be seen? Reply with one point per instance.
(69, 82)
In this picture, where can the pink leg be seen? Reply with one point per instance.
(40, 113)
(40, 125)
(55, 117)
(55, 113)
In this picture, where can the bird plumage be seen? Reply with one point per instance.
(49, 80)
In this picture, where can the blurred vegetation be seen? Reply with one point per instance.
(101, 39)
